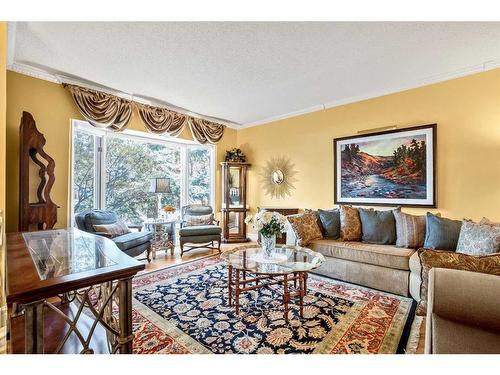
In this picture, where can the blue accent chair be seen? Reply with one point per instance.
(132, 244)
(203, 235)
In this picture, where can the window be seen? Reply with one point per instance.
(113, 171)
(199, 165)
(130, 164)
(84, 171)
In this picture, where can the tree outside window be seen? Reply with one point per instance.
(128, 164)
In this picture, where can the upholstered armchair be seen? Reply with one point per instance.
(199, 227)
(132, 244)
(463, 313)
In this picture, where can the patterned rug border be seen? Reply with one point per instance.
(410, 317)
(170, 329)
(404, 312)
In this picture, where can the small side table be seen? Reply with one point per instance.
(163, 235)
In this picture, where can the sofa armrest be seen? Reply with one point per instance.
(469, 298)
(139, 227)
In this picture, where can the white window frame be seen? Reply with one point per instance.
(100, 145)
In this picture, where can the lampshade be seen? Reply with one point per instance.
(160, 185)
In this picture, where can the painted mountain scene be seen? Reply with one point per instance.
(392, 168)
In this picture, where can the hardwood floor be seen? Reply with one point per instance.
(165, 259)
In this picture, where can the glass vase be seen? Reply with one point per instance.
(268, 244)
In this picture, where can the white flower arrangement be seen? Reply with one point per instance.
(268, 223)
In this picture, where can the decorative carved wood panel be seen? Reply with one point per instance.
(41, 214)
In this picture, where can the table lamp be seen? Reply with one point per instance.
(160, 185)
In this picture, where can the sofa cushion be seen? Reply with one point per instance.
(383, 278)
(350, 225)
(330, 223)
(377, 227)
(410, 230)
(305, 227)
(452, 337)
(380, 255)
(441, 233)
(200, 230)
(478, 239)
(133, 239)
(485, 220)
(448, 259)
(111, 230)
(197, 209)
(194, 220)
(98, 217)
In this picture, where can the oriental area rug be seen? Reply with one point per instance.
(184, 309)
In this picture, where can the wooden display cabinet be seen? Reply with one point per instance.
(234, 202)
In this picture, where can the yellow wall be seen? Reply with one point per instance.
(3, 101)
(3, 98)
(52, 108)
(467, 111)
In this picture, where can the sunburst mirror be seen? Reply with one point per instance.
(277, 177)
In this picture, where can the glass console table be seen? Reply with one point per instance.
(47, 270)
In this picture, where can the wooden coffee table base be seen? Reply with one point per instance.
(240, 283)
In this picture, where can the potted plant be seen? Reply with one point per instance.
(269, 225)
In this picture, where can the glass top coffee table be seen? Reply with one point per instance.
(249, 269)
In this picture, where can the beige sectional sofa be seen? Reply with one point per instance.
(383, 267)
(464, 319)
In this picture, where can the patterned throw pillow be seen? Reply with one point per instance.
(112, 230)
(410, 230)
(194, 220)
(486, 221)
(350, 224)
(306, 227)
(478, 239)
(447, 259)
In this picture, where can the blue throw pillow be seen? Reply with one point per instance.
(441, 233)
(330, 223)
(378, 227)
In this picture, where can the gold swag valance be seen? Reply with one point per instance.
(104, 110)
(161, 120)
(205, 131)
(100, 109)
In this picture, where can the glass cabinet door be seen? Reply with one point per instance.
(234, 187)
(233, 201)
(234, 223)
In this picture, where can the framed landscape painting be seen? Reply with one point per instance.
(395, 167)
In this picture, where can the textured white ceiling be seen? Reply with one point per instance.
(253, 71)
